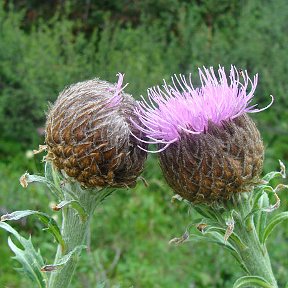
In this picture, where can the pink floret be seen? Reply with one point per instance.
(173, 109)
(115, 100)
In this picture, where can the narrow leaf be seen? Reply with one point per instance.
(51, 224)
(260, 216)
(53, 176)
(274, 206)
(274, 221)
(101, 285)
(179, 240)
(26, 178)
(63, 261)
(233, 237)
(217, 238)
(75, 205)
(251, 281)
(272, 175)
(30, 259)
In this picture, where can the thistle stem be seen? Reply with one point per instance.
(74, 232)
(255, 256)
(242, 236)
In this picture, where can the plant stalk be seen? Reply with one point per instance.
(255, 255)
(74, 232)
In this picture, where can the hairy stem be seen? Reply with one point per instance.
(74, 231)
(255, 255)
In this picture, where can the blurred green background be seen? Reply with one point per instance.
(47, 45)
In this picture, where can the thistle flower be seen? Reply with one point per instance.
(88, 135)
(208, 146)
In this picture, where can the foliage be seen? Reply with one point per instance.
(45, 46)
(131, 233)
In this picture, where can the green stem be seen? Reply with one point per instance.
(255, 255)
(74, 231)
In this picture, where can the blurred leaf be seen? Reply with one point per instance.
(274, 221)
(75, 205)
(64, 260)
(260, 216)
(282, 173)
(43, 217)
(26, 178)
(29, 258)
(251, 281)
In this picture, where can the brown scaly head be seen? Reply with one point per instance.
(214, 165)
(88, 135)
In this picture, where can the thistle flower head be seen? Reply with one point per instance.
(177, 108)
(209, 148)
(88, 134)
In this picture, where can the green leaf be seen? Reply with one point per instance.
(260, 217)
(180, 240)
(282, 173)
(217, 238)
(29, 258)
(52, 226)
(75, 205)
(101, 285)
(26, 178)
(53, 176)
(274, 221)
(233, 237)
(251, 281)
(63, 261)
(212, 237)
(208, 213)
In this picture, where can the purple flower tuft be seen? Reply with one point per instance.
(117, 90)
(177, 108)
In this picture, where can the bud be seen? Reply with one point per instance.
(88, 135)
(209, 148)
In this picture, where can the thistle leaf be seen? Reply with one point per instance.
(52, 226)
(274, 221)
(274, 206)
(29, 258)
(260, 216)
(251, 281)
(234, 239)
(26, 178)
(282, 173)
(179, 240)
(101, 285)
(75, 205)
(63, 261)
(54, 177)
(208, 213)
